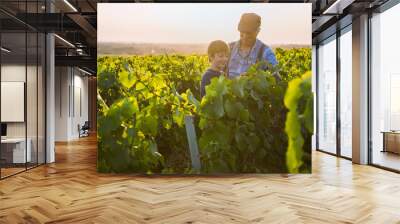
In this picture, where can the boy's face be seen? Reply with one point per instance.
(219, 60)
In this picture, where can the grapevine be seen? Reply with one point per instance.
(240, 123)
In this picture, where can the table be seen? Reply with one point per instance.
(13, 150)
(391, 141)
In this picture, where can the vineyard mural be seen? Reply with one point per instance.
(205, 109)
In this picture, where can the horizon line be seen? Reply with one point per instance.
(123, 42)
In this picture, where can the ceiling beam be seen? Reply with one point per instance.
(86, 27)
(338, 6)
(77, 61)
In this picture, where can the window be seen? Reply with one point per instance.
(327, 96)
(346, 92)
(385, 89)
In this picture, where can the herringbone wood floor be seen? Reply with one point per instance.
(71, 191)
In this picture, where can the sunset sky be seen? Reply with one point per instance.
(200, 23)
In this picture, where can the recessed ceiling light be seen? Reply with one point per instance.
(5, 50)
(64, 40)
(70, 5)
(84, 71)
(338, 6)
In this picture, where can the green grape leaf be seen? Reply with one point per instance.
(126, 79)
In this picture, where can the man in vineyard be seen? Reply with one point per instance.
(249, 50)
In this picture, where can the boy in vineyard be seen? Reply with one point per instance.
(218, 54)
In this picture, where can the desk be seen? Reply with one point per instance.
(16, 147)
(391, 141)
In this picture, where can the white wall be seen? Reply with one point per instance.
(14, 73)
(80, 99)
(81, 82)
(62, 81)
(70, 83)
(33, 127)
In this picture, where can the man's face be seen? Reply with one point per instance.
(248, 37)
(220, 60)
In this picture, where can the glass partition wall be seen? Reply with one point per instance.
(13, 89)
(22, 77)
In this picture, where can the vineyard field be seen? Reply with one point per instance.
(256, 123)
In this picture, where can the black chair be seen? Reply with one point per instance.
(84, 130)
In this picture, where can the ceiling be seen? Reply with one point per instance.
(75, 21)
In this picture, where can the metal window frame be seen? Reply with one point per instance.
(337, 34)
(386, 6)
